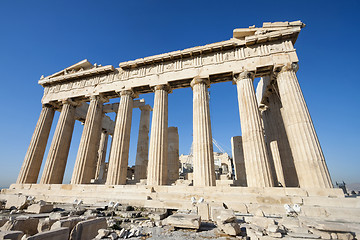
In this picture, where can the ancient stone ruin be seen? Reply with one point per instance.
(281, 185)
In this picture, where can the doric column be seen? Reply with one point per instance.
(275, 131)
(203, 163)
(31, 166)
(119, 155)
(85, 164)
(158, 149)
(238, 160)
(101, 153)
(308, 157)
(142, 152)
(57, 157)
(277, 163)
(255, 155)
(173, 154)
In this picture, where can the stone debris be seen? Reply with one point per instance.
(40, 207)
(183, 221)
(13, 235)
(56, 234)
(128, 222)
(87, 229)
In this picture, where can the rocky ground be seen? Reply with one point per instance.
(24, 218)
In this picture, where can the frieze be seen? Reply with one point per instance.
(219, 56)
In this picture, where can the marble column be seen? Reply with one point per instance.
(308, 157)
(34, 156)
(85, 164)
(173, 154)
(142, 152)
(203, 163)
(238, 160)
(101, 156)
(277, 163)
(57, 157)
(119, 155)
(275, 131)
(255, 155)
(158, 149)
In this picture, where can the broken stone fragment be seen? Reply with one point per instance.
(183, 221)
(45, 224)
(87, 229)
(102, 233)
(18, 201)
(40, 208)
(26, 225)
(13, 235)
(231, 228)
(303, 235)
(56, 234)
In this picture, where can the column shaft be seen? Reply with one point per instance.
(85, 164)
(308, 157)
(57, 157)
(238, 160)
(142, 152)
(173, 154)
(119, 155)
(275, 131)
(256, 159)
(203, 163)
(277, 163)
(101, 153)
(34, 156)
(158, 149)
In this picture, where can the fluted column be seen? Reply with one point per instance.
(85, 164)
(203, 163)
(238, 160)
(173, 154)
(308, 157)
(275, 131)
(142, 152)
(158, 149)
(101, 153)
(31, 166)
(119, 155)
(277, 163)
(57, 157)
(255, 155)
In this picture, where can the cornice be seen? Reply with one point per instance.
(79, 74)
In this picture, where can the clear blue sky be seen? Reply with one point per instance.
(42, 37)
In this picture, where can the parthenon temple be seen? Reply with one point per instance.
(278, 152)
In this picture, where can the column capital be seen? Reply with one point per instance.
(128, 92)
(145, 108)
(197, 80)
(244, 75)
(164, 87)
(69, 101)
(287, 67)
(101, 98)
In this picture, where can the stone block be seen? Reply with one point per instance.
(87, 229)
(13, 235)
(45, 224)
(56, 234)
(231, 228)
(69, 223)
(303, 235)
(40, 208)
(183, 221)
(203, 211)
(18, 201)
(26, 225)
(159, 214)
(263, 222)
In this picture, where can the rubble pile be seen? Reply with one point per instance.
(24, 217)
